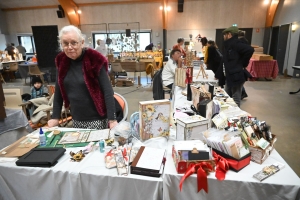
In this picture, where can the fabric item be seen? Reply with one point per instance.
(235, 93)
(263, 68)
(92, 62)
(232, 29)
(14, 119)
(157, 88)
(236, 57)
(168, 73)
(97, 124)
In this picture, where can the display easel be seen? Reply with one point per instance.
(202, 70)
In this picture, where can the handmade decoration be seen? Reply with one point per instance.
(77, 157)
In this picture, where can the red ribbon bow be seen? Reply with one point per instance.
(189, 76)
(201, 175)
(222, 166)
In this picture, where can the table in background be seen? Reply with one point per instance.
(12, 127)
(23, 69)
(263, 68)
(285, 184)
(88, 179)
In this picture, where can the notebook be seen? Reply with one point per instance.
(41, 157)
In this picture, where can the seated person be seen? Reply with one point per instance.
(168, 73)
(36, 91)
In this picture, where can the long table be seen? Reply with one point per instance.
(88, 179)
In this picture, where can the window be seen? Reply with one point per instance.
(27, 42)
(120, 43)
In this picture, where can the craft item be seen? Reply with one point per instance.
(154, 118)
(20, 147)
(268, 171)
(142, 166)
(102, 146)
(42, 138)
(201, 70)
(120, 162)
(190, 128)
(180, 77)
(56, 132)
(77, 157)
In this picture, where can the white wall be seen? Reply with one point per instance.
(2, 42)
(287, 13)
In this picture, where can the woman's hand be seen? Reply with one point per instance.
(112, 123)
(52, 123)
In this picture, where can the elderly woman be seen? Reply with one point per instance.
(82, 84)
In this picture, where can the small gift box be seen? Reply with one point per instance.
(190, 128)
(154, 118)
(235, 164)
(184, 153)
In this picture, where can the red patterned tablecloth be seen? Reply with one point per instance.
(263, 68)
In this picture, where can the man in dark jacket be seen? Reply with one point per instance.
(236, 59)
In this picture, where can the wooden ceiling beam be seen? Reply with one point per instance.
(29, 8)
(70, 9)
(273, 5)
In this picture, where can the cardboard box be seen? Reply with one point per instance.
(259, 49)
(190, 128)
(262, 57)
(182, 165)
(154, 118)
(259, 155)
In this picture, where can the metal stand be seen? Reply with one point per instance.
(295, 92)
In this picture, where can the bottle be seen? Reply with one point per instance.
(189, 92)
(102, 146)
(42, 138)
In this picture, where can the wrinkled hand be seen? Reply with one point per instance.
(52, 123)
(112, 124)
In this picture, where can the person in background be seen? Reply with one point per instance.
(22, 50)
(204, 47)
(82, 84)
(101, 48)
(236, 56)
(149, 47)
(179, 44)
(38, 89)
(10, 50)
(168, 73)
(212, 58)
(241, 36)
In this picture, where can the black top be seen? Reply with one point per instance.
(236, 56)
(81, 103)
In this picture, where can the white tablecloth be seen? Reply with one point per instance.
(285, 184)
(88, 179)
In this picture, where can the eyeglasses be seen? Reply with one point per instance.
(67, 44)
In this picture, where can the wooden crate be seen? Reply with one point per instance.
(259, 155)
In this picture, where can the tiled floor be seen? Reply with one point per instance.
(268, 100)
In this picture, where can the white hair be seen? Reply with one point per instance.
(67, 29)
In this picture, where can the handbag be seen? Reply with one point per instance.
(180, 76)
